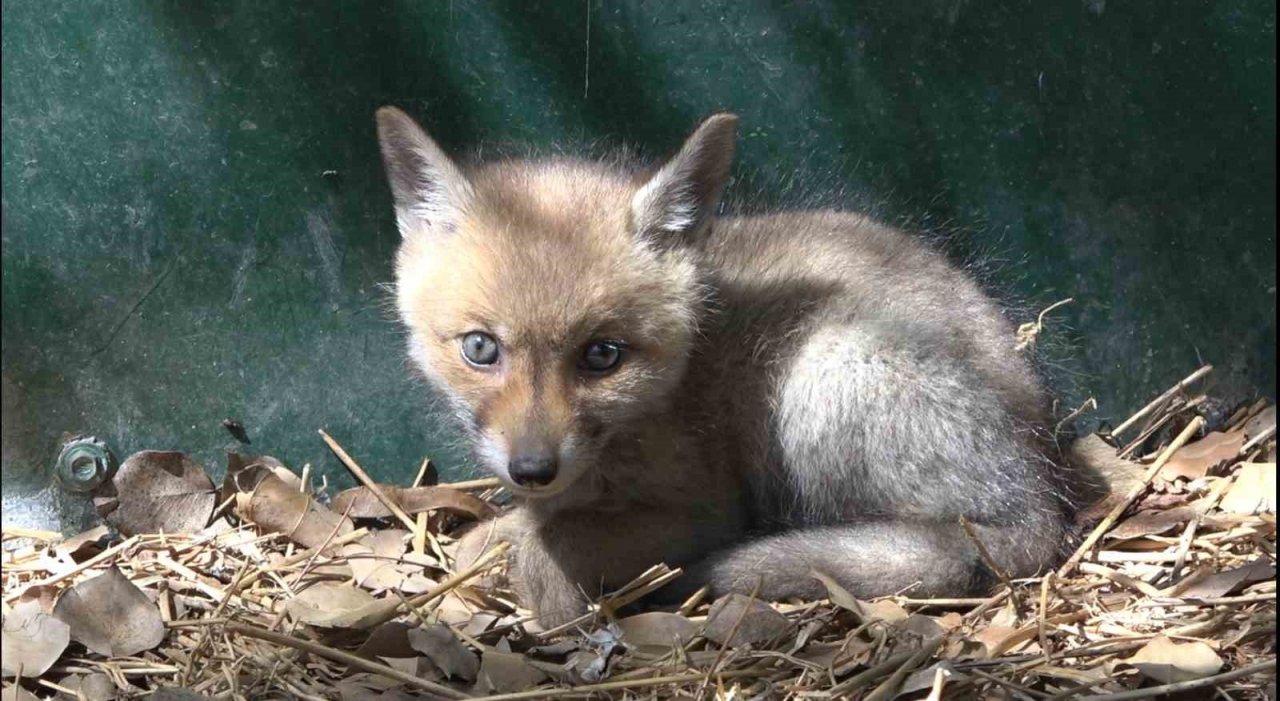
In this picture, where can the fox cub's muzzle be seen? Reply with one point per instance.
(532, 470)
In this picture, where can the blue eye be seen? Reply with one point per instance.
(479, 348)
(600, 356)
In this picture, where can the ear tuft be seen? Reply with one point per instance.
(679, 200)
(428, 189)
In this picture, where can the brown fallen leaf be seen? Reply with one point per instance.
(376, 560)
(1168, 662)
(502, 672)
(1195, 460)
(88, 687)
(1259, 424)
(32, 641)
(1230, 581)
(445, 651)
(14, 692)
(331, 605)
(1145, 523)
(275, 506)
(658, 629)
(359, 502)
(390, 639)
(760, 623)
(1254, 490)
(1103, 472)
(158, 491)
(245, 471)
(111, 616)
(83, 546)
(995, 639)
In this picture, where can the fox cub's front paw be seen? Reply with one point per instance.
(544, 588)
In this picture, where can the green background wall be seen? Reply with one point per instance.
(195, 222)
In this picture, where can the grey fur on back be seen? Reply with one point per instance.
(875, 393)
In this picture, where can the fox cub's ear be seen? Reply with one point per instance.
(681, 197)
(428, 189)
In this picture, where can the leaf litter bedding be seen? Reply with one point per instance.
(264, 588)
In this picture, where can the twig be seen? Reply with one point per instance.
(365, 479)
(1155, 403)
(1148, 692)
(345, 658)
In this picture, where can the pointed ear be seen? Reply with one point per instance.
(428, 189)
(680, 198)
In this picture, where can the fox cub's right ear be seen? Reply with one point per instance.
(428, 189)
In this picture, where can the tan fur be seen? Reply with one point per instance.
(799, 390)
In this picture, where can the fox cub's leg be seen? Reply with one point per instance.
(562, 561)
(888, 435)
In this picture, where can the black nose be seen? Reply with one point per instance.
(532, 470)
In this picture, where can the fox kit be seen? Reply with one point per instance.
(748, 398)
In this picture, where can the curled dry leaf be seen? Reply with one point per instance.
(359, 502)
(84, 545)
(330, 605)
(1145, 523)
(245, 471)
(760, 623)
(376, 560)
(32, 641)
(111, 616)
(1254, 491)
(275, 506)
(1195, 460)
(158, 491)
(1168, 662)
(657, 629)
(445, 651)
(502, 672)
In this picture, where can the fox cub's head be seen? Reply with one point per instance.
(553, 302)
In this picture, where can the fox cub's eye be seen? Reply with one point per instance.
(480, 348)
(601, 356)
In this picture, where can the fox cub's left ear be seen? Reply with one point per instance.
(681, 197)
(428, 189)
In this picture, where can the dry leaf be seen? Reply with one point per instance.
(14, 692)
(760, 623)
(1264, 421)
(83, 546)
(443, 648)
(111, 616)
(996, 639)
(331, 605)
(88, 687)
(885, 610)
(1168, 662)
(32, 640)
(658, 629)
(1254, 490)
(359, 502)
(158, 491)
(1104, 472)
(1145, 523)
(275, 506)
(1231, 581)
(245, 471)
(1195, 460)
(502, 672)
(387, 640)
(375, 560)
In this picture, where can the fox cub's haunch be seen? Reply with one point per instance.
(749, 398)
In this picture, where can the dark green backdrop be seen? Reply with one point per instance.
(195, 221)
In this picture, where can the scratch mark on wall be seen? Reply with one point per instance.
(136, 306)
